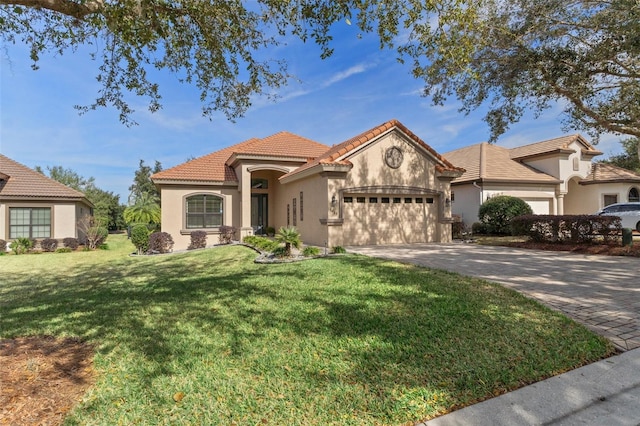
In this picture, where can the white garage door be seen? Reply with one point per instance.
(540, 206)
(389, 219)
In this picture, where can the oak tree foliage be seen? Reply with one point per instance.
(511, 56)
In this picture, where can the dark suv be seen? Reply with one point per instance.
(628, 212)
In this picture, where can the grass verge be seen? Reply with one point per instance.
(209, 337)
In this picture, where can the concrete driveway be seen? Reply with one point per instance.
(601, 292)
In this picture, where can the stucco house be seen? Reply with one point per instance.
(35, 206)
(556, 176)
(383, 186)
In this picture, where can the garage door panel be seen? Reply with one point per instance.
(388, 223)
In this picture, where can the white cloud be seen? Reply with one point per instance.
(342, 75)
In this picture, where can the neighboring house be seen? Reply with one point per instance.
(383, 186)
(548, 175)
(607, 184)
(35, 206)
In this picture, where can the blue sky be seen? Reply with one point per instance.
(358, 88)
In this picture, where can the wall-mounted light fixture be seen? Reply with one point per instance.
(447, 202)
(334, 203)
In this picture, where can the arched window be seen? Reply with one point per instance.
(203, 211)
(634, 195)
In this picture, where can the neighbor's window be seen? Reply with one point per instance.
(396, 199)
(204, 211)
(407, 200)
(385, 200)
(373, 200)
(634, 196)
(348, 199)
(360, 199)
(30, 222)
(610, 199)
(418, 200)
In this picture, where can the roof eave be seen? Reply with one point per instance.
(235, 158)
(199, 182)
(316, 169)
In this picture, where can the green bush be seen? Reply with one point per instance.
(261, 243)
(64, 250)
(140, 238)
(3, 246)
(338, 250)
(22, 245)
(496, 213)
(271, 231)
(281, 252)
(478, 228)
(310, 251)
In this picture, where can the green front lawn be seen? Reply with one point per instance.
(339, 340)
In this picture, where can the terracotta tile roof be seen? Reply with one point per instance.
(19, 181)
(608, 173)
(340, 151)
(213, 167)
(550, 146)
(487, 162)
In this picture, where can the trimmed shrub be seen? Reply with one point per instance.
(49, 245)
(281, 252)
(261, 243)
(3, 246)
(271, 231)
(71, 243)
(310, 251)
(478, 228)
(574, 229)
(226, 234)
(496, 213)
(338, 250)
(198, 240)
(160, 242)
(140, 238)
(64, 250)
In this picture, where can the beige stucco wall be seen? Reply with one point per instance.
(564, 167)
(314, 208)
(173, 211)
(388, 223)
(467, 200)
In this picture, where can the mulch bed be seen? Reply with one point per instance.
(42, 378)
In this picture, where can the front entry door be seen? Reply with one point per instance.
(259, 219)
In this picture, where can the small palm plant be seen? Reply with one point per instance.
(290, 237)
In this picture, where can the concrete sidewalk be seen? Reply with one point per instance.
(603, 393)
